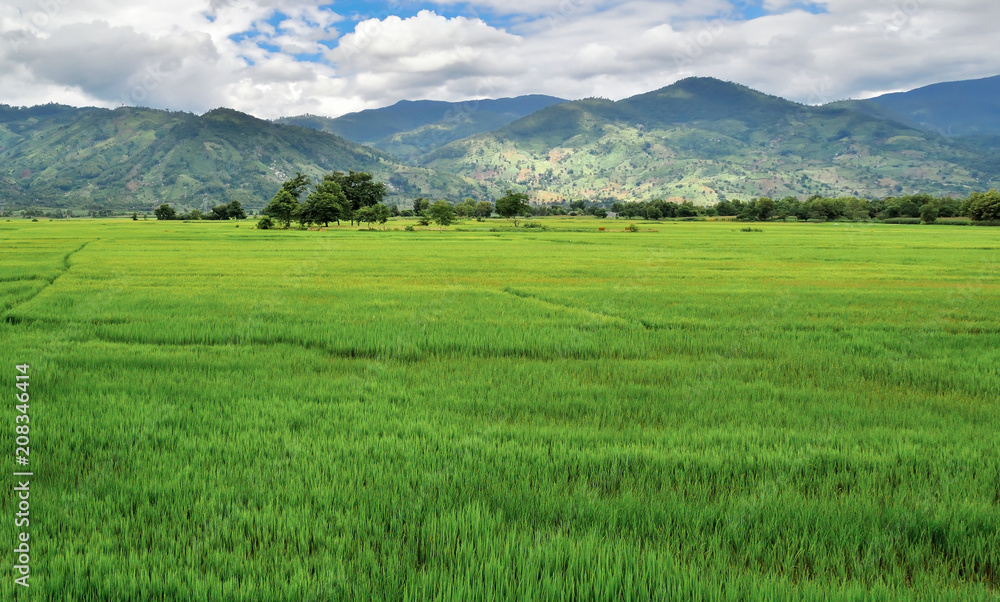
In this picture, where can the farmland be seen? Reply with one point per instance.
(689, 411)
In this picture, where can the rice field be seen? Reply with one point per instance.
(692, 412)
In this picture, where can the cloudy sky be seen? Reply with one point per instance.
(287, 57)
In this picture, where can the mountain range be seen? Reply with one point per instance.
(134, 159)
(964, 108)
(409, 129)
(700, 139)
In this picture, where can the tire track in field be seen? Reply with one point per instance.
(593, 314)
(7, 317)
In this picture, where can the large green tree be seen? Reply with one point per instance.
(382, 214)
(421, 205)
(165, 211)
(484, 209)
(297, 186)
(984, 206)
(283, 207)
(326, 203)
(236, 210)
(360, 188)
(442, 213)
(513, 205)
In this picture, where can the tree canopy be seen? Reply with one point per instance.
(165, 211)
(442, 213)
(283, 207)
(513, 205)
(359, 187)
(984, 206)
(327, 203)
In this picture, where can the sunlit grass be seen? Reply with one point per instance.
(688, 411)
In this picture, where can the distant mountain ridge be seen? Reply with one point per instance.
(700, 139)
(959, 108)
(411, 128)
(704, 139)
(136, 158)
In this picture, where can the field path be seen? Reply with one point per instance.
(66, 267)
(582, 310)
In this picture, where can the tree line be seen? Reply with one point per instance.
(978, 206)
(358, 197)
(231, 210)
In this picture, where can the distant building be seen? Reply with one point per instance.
(612, 215)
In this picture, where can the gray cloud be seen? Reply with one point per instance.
(191, 55)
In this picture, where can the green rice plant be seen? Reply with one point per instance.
(544, 414)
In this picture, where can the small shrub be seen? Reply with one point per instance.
(631, 228)
(265, 223)
(409, 229)
(750, 230)
(902, 220)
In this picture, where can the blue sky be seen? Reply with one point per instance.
(283, 57)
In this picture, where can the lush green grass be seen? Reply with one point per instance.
(695, 412)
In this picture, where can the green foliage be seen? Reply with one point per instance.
(984, 206)
(929, 213)
(283, 207)
(484, 209)
(231, 210)
(442, 213)
(360, 188)
(297, 186)
(165, 212)
(376, 214)
(512, 205)
(265, 223)
(421, 205)
(326, 203)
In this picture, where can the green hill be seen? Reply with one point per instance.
(952, 108)
(703, 139)
(409, 129)
(134, 159)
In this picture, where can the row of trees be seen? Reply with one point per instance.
(357, 197)
(978, 206)
(510, 206)
(232, 210)
(338, 196)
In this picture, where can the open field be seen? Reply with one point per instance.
(807, 412)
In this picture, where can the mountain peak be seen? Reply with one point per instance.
(708, 98)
